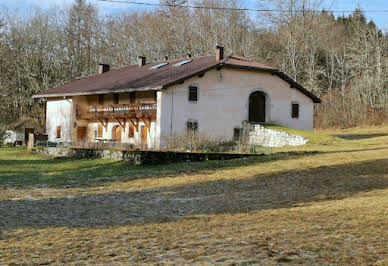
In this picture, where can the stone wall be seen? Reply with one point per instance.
(140, 157)
(262, 136)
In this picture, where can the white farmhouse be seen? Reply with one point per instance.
(143, 103)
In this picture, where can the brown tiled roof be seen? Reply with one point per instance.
(135, 78)
(22, 121)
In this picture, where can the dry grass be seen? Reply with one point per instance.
(326, 207)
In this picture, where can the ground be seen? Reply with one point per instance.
(324, 203)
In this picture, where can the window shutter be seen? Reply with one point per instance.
(59, 128)
(99, 134)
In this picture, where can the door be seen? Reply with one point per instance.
(81, 134)
(257, 107)
(27, 131)
(116, 133)
(144, 133)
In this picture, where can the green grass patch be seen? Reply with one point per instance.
(21, 168)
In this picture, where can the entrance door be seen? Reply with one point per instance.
(27, 131)
(81, 134)
(116, 133)
(257, 107)
(144, 133)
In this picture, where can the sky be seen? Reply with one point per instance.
(381, 19)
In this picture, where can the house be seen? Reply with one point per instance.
(146, 102)
(17, 133)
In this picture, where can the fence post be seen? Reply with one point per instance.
(30, 143)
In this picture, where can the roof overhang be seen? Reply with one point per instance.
(56, 95)
(219, 65)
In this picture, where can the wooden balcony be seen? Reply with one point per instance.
(117, 111)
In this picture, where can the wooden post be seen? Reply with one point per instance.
(30, 144)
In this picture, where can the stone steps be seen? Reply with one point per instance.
(262, 136)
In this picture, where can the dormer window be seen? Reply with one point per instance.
(193, 93)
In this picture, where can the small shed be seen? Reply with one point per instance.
(17, 133)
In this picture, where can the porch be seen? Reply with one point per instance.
(117, 124)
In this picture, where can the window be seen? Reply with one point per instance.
(237, 132)
(99, 131)
(59, 128)
(101, 99)
(131, 132)
(132, 97)
(295, 110)
(193, 93)
(192, 126)
(116, 98)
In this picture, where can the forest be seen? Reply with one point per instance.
(341, 58)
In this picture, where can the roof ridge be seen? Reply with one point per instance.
(242, 58)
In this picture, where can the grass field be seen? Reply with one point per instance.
(325, 203)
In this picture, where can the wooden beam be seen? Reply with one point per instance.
(136, 125)
(122, 124)
(104, 125)
(147, 122)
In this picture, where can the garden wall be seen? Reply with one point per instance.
(140, 157)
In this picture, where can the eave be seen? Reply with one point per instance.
(55, 95)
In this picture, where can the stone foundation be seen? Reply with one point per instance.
(140, 157)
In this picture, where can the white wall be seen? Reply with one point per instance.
(59, 113)
(224, 102)
(9, 136)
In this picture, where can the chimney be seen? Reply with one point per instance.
(102, 68)
(219, 53)
(189, 55)
(141, 61)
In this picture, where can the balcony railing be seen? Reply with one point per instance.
(117, 111)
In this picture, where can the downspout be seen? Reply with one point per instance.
(72, 120)
(172, 109)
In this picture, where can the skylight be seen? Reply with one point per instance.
(181, 63)
(159, 65)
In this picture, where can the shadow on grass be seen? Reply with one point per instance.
(74, 172)
(358, 136)
(282, 189)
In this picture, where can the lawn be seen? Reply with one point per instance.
(324, 203)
